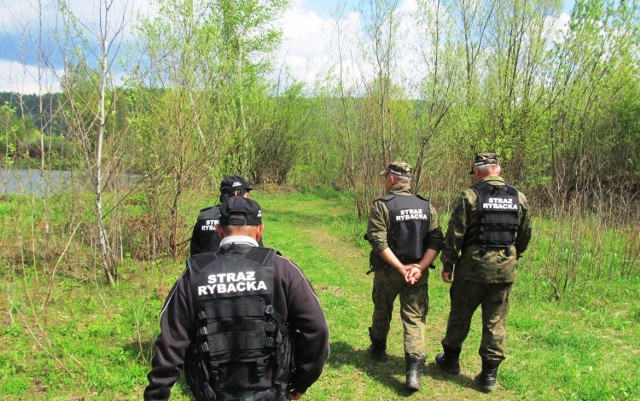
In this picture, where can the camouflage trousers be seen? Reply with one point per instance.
(388, 284)
(493, 299)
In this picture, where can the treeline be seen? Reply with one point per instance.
(561, 106)
(32, 133)
(37, 109)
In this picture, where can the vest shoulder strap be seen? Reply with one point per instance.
(511, 191)
(207, 212)
(482, 188)
(199, 262)
(387, 197)
(263, 256)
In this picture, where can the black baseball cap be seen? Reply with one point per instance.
(240, 205)
(232, 183)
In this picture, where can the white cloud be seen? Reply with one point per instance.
(304, 31)
(315, 47)
(17, 77)
(308, 50)
(557, 28)
(411, 64)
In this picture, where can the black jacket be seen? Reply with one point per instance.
(204, 237)
(294, 298)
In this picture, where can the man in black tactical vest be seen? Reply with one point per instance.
(489, 230)
(405, 238)
(204, 237)
(244, 322)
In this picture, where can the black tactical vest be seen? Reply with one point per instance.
(233, 296)
(204, 237)
(498, 206)
(410, 218)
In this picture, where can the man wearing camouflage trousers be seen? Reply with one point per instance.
(405, 238)
(489, 230)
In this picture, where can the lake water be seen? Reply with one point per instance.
(37, 183)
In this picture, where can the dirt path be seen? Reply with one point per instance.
(337, 270)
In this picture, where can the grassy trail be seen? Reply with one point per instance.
(337, 269)
(88, 340)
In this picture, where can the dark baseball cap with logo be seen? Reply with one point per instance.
(240, 211)
(401, 169)
(232, 183)
(482, 159)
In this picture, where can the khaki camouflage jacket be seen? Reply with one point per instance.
(379, 222)
(463, 250)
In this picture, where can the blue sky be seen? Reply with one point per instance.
(308, 28)
(325, 8)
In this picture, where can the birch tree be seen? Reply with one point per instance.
(89, 89)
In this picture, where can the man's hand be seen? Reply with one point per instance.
(412, 273)
(402, 270)
(447, 277)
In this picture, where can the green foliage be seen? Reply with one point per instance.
(22, 140)
(278, 142)
(19, 138)
(563, 115)
(89, 340)
(495, 76)
(200, 107)
(598, 85)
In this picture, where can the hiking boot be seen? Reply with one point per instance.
(414, 369)
(488, 377)
(378, 348)
(449, 360)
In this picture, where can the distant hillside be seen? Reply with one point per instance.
(30, 105)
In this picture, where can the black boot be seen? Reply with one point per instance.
(414, 369)
(378, 348)
(488, 377)
(449, 360)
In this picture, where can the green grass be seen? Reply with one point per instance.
(92, 341)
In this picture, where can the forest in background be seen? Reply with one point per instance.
(198, 100)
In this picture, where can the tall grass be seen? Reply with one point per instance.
(64, 334)
(571, 248)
